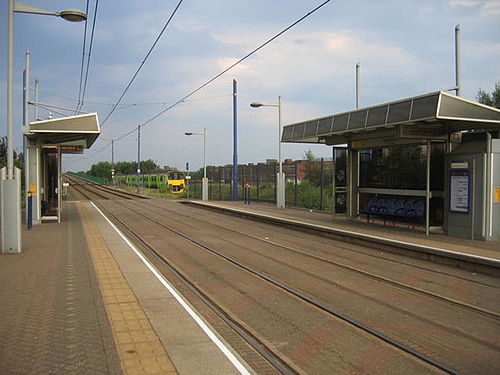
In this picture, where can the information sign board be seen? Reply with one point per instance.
(460, 188)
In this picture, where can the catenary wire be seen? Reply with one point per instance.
(142, 63)
(213, 78)
(83, 58)
(80, 104)
(124, 105)
(225, 70)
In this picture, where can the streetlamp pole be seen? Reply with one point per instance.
(204, 152)
(10, 196)
(280, 178)
(10, 92)
(204, 185)
(204, 182)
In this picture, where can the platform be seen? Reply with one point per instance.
(78, 300)
(485, 252)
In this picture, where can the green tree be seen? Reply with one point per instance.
(312, 170)
(101, 169)
(125, 167)
(18, 158)
(493, 99)
(148, 166)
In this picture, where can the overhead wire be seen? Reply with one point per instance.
(88, 57)
(83, 58)
(225, 70)
(125, 105)
(143, 62)
(183, 99)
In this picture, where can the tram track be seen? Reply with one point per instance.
(371, 275)
(316, 303)
(100, 191)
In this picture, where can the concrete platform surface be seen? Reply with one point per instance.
(79, 300)
(488, 249)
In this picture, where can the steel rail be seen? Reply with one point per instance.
(119, 193)
(305, 298)
(277, 223)
(246, 335)
(398, 284)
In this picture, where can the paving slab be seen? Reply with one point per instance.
(53, 319)
(188, 346)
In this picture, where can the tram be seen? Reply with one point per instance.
(174, 180)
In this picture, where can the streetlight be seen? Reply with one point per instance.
(280, 178)
(11, 229)
(204, 184)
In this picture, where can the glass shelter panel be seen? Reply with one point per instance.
(403, 168)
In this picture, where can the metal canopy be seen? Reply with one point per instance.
(429, 116)
(79, 131)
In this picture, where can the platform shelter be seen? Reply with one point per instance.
(432, 159)
(46, 142)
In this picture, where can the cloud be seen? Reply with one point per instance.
(486, 7)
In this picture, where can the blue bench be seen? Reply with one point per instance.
(395, 209)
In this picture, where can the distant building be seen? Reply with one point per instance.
(263, 172)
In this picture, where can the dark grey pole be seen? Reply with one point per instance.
(235, 142)
(113, 161)
(139, 158)
(321, 186)
(428, 188)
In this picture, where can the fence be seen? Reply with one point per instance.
(308, 184)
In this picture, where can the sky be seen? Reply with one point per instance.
(404, 48)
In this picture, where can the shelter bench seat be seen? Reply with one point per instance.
(395, 209)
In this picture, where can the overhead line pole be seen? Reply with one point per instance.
(357, 85)
(235, 143)
(457, 60)
(139, 158)
(113, 161)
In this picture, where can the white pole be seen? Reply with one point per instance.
(357, 85)
(36, 99)
(280, 193)
(457, 60)
(10, 66)
(204, 182)
(279, 134)
(205, 152)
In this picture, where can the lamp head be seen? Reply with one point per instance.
(72, 15)
(188, 133)
(256, 105)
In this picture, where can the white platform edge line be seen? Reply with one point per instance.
(437, 249)
(230, 356)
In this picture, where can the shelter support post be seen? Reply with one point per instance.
(428, 188)
(11, 211)
(334, 197)
(352, 183)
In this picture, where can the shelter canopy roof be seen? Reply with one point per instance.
(81, 130)
(429, 116)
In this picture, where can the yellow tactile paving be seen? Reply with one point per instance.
(139, 348)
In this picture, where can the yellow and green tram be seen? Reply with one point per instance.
(174, 181)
